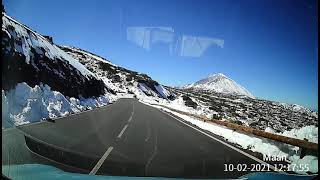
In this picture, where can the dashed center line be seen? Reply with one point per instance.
(155, 150)
(124, 128)
(130, 119)
(131, 114)
(148, 132)
(107, 153)
(98, 165)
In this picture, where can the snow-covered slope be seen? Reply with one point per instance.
(221, 84)
(119, 80)
(32, 58)
(39, 80)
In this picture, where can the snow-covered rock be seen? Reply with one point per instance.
(221, 84)
(308, 132)
(38, 78)
(30, 57)
(119, 80)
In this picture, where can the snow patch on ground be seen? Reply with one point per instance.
(179, 104)
(308, 132)
(25, 104)
(95, 57)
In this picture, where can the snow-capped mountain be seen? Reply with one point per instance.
(221, 84)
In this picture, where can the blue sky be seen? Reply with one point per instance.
(268, 46)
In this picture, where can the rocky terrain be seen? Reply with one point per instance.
(119, 79)
(256, 113)
(42, 80)
(32, 58)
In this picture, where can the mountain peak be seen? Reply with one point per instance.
(220, 83)
(217, 75)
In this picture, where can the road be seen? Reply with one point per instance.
(127, 138)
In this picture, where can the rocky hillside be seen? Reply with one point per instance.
(42, 80)
(256, 113)
(118, 79)
(34, 59)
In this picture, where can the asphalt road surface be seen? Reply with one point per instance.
(127, 138)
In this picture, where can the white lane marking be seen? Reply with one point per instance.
(131, 113)
(103, 158)
(106, 154)
(124, 128)
(226, 144)
(155, 150)
(129, 120)
(148, 132)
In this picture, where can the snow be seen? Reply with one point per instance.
(90, 55)
(179, 104)
(308, 132)
(140, 89)
(270, 130)
(297, 108)
(256, 144)
(25, 104)
(221, 84)
(34, 40)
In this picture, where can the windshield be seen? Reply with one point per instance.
(160, 89)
